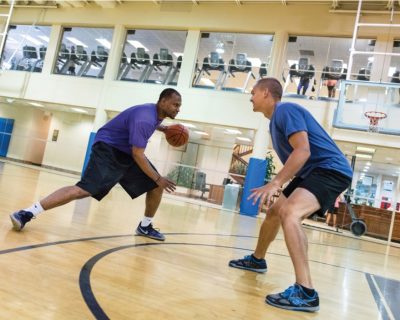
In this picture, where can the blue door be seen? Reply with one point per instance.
(6, 128)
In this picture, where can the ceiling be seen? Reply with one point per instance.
(47, 106)
(384, 5)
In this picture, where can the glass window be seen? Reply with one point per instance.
(25, 48)
(83, 52)
(152, 56)
(394, 69)
(231, 61)
(315, 66)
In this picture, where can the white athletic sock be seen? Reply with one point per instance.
(35, 209)
(146, 221)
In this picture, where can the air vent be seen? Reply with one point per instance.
(306, 53)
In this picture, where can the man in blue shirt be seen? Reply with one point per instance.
(118, 157)
(319, 172)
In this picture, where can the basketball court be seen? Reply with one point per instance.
(82, 261)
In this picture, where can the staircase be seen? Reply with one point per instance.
(238, 167)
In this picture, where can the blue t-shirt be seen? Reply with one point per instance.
(132, 127)
(289, 118)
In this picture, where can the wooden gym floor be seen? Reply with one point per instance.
(82, 261)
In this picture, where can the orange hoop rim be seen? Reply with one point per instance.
(375, 115)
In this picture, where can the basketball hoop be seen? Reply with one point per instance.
(374, 117)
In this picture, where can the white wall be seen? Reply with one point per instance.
(68, 152)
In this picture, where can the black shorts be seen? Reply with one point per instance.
(326, 185)
(332, 209)
(108, 166)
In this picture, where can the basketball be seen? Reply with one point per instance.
(177, 135)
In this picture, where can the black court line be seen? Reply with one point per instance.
(93, 302)
(98, 312)
(48, 244)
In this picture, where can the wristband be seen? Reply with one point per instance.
(159, 177)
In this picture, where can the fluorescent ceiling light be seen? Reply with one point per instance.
(365, 170)
(220, 50)
(255, 62)
(368, 163)
(370, 59)
(79, 110)
(202, 133)
(364, 156)
(76, 41)
(137, 44)
(35, 104)
(362, 100)
(207, 82)
(391, 71)
(365, 149)
(243, 139)
(188, 125)
(33, 40)
(292, 62)
(44, 38)
(12, 40)
(389, 159)
(104, 42)
(232, 131)
(177, 54)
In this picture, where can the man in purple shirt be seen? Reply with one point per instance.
(118, 157)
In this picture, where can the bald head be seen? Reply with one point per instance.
(273, 85)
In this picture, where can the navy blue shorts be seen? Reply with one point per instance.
(108, 166)
(326, 185)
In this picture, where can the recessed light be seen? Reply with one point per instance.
(232, 131)
(243, 139)
(201, 133)
(364, 156)
(35, 104)
(365, 149)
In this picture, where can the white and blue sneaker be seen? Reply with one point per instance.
(294, 298)
(149, 232)
(20, 218)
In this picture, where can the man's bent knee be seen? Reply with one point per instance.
(79, 193)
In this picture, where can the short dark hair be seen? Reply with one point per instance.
(273, 85)
(166, 93)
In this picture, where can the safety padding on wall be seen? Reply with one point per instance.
(254, 178)
(88, 150)
(6, 128)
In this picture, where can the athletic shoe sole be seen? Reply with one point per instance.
(16, 223)
(249, 269)
(305, 309)
(149, 236)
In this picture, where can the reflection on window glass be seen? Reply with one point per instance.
(25, 48)
(315, 66)
(152, 56)
(83, 52)
(231, 61)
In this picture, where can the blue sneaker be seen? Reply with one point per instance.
(294, 298)
(149, 232)
(20, 218)
(249, 263)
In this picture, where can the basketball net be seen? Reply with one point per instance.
(374, 117)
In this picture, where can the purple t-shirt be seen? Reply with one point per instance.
(132, 127)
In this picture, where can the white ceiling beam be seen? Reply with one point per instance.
(77, 3)
(109, 4)
(41, 2)
(238, 2)
(63, 3)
